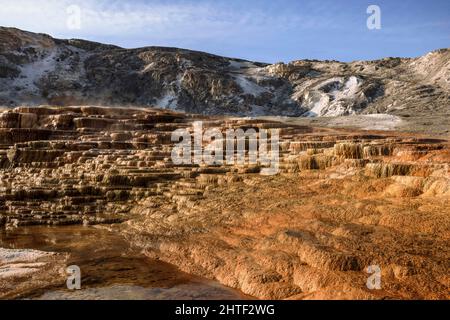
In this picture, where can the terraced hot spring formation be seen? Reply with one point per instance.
(342, 201)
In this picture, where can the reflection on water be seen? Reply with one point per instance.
(195, 291)
(110, 269)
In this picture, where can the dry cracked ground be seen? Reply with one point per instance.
(343, 200)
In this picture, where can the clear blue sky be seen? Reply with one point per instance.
(268, 31)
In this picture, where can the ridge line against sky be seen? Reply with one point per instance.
(267, 31)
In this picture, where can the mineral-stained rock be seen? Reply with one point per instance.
(342, 200)
(20, 268)
(18, 120)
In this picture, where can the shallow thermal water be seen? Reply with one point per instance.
(110, 269)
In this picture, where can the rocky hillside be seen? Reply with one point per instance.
(38, 69)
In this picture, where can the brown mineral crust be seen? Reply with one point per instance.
(343, 200)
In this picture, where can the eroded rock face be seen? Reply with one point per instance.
(342, 201)
(37, 69)
(19, 268)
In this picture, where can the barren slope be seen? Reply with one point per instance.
(37, 69)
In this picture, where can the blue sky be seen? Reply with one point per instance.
(268, 31)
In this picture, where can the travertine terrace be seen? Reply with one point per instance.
(342, 201)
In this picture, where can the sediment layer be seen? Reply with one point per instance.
(342, 200)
